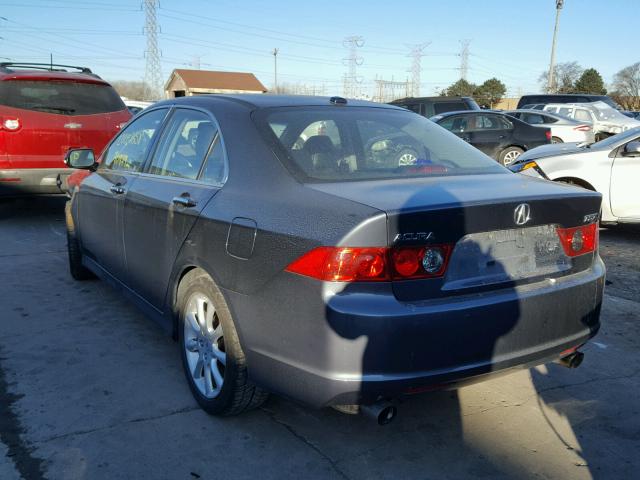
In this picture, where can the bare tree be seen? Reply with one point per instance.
(626, 86)
(131, 89)
(566, 74)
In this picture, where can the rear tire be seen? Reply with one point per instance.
(212, 357)
(509, 155)
(77, 270)
(556, 140)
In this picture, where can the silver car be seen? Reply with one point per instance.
(563, 129)
(610, 167)
(605, 119)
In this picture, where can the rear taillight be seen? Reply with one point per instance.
(583, 128)
(372, 264)
(547, 134)
(577, 241)
(10, 124)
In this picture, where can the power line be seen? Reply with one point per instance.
(153, 70)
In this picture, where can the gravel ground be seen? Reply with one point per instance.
(90, 389)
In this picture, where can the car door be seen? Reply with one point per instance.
(102, 194)
(625, 173)
(489, 133)
(185, 171)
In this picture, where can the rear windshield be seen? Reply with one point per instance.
(62, 97)
(366, 143)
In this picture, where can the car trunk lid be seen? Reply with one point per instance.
(477, 217)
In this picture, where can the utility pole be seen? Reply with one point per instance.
(153, 71)
(275, 70)
(464, 59)
(351, 79)
(416, 68)
(551, 87)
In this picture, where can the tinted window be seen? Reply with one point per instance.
(67, 98)
(454, 124)
(548, 119)
(184, 145)
(214, 171)
(376, 144)
(414, 107)
(486, 122)
(442, 107)
(129, 149)
(533, 118)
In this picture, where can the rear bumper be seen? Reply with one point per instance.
(360, 347)
(34, 181)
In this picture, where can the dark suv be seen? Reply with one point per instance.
(430, 106)
(565, 98)
(46, 110)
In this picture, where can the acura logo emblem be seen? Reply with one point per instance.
(522, 214)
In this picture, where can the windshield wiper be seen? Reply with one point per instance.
(55, 109)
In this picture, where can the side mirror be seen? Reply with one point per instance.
(82, 158)
(632, 149)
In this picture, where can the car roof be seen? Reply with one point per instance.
(430, 99)
(269, 101)
(470, 112)
(37, 75)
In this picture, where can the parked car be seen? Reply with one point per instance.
(563, 129)
(565, 98)
(430, 106)
(610, 167)
(606, 121)
(500, 136)
(320, 270)
(135, 106)
(47, 110)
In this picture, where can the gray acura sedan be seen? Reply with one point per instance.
(290, 246)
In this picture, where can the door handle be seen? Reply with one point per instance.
(184, 201)
(117, 189)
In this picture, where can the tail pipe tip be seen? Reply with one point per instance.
(573, 360)
(382, 412)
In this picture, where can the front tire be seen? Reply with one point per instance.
(77, 270)
(510, 155)
(212, 357)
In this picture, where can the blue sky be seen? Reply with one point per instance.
(510, 40)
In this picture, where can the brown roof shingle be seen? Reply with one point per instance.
(219, 80)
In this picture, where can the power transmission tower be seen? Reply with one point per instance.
(416, 55)
(464, 59)
(351, 78)
(551, 81)
(153, 71)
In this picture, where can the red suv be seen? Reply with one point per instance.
(45, 110)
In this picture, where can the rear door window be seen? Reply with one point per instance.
(60, 97)
(130, 148)
(184, 145)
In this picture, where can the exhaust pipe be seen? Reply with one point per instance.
(573, 360)
(382, 412)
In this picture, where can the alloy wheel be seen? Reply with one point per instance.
(511, 157)
(204, 345)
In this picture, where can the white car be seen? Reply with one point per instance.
(135, 106)
(611, 167)
(563, 129)
(605, 119)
